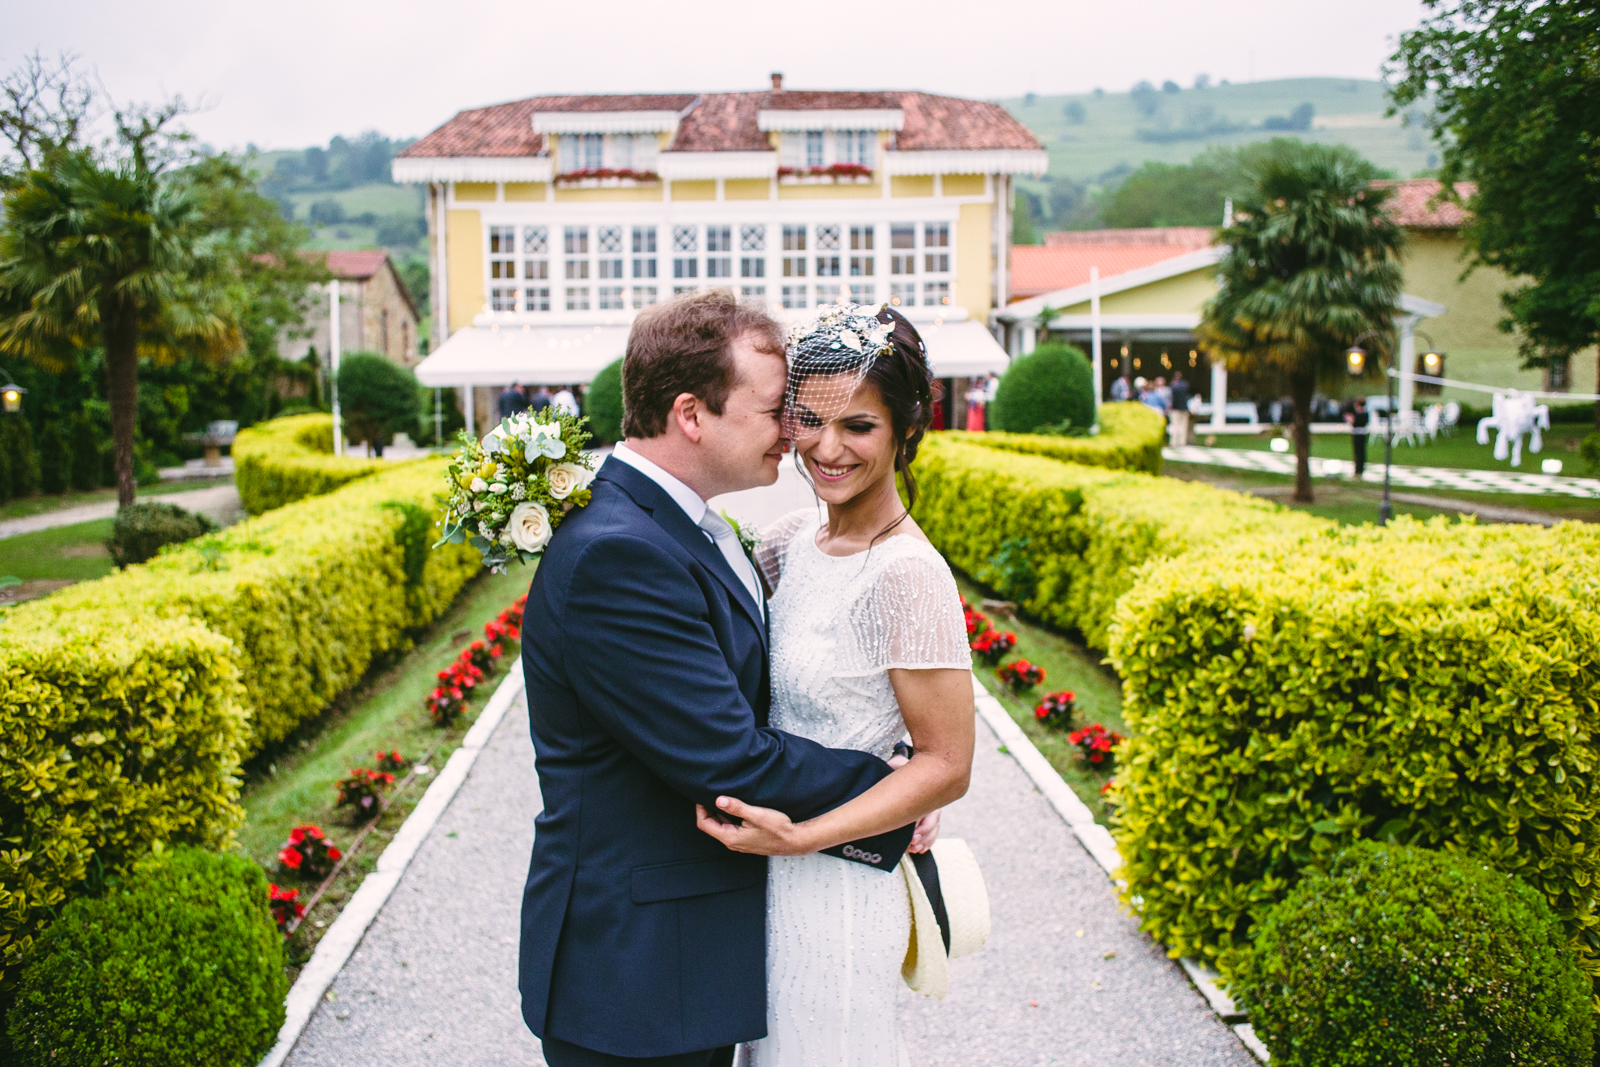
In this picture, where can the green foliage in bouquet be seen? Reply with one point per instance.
(1409, 957)
(510, 491)
(180, 962)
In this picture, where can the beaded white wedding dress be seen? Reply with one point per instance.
(837, 931)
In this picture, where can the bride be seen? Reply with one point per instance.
(868, 644)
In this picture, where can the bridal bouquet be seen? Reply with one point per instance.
(510, 491)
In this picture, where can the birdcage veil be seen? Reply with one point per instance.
(829, 357)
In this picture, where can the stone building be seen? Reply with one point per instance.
(376, 312)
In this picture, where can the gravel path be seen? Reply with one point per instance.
(434, 982)
(220, 502)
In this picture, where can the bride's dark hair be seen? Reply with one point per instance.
(909, 390)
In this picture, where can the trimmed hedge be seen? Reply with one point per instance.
(1066, 541)
(127, 703)
(1409, 957)
(114, 732)
(179, 963)
(278, 462)
(1052, 386)
(1131, 438)
(1430, 684)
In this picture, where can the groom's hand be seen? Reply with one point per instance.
(762, 831)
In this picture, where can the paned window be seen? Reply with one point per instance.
(685, 239)
(936, 235)
(794, 266)
(686, 268)
(814, 154)
(861, 238)
(594, 151)
(794, 296)
(827, 266)
(537, 298)
(502, 246)
(902, 235)
(752, 267)
(860, 266)
(536, 270)
(936, 262)
(936, 293)
(577, 240)
(577, 298)
(609, 238)
(644, 251)
(827, 294)
(719, 238)
(902, 293)
(753, 292)
(752, 237)
(855, 146)
(535, 240)
(611, 268)
(577, 269)
(503, 299)
(680, 290)
(794, 238)
(864, 294)
(644, 268)
(610, 298)
(719, 266)
(903, 264)
(828, 238)
(644, 295)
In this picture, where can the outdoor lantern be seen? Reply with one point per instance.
(1433, 364)
(11, 395)
(1355, 361)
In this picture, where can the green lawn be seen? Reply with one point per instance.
(1461, 451)
(296, 782)
(66, 553)
(1067, 665)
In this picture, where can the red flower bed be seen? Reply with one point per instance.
(977, 621)
(308, 852)
(1019, 676)
(992, 645)
(391, 761)
(449, 698)
(835, 170)
(363, 788)
(285, 907)
(1056, 709)
(1096, 745)
(608, 172)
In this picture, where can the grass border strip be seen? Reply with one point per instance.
(339, 943)
(1100, 845)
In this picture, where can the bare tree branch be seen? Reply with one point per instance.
(44, 105)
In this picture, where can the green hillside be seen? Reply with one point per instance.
(1095, 137)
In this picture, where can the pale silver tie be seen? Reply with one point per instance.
(726, 539)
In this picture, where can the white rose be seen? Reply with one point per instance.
(479, 485)
(568, 478)
(529, 526)
(498, 488)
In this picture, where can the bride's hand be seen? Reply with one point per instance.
(926, 833)
(765, 832)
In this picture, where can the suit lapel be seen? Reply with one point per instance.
(670, 517)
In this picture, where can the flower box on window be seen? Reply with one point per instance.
(607, 177)
(834, 174)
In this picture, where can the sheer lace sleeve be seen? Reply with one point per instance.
(912, 618)
(775, 543)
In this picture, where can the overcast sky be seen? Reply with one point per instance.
(294, 73)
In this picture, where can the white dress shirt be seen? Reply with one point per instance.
(699, 513)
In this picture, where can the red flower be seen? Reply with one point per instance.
(334, 854)
(290, 858)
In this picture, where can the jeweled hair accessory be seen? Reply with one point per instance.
(829, 357)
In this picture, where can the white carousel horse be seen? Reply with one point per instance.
(1515, 415)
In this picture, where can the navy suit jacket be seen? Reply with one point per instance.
(646, 665)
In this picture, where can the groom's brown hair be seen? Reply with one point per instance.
(685, 346)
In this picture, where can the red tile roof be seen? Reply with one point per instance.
(726, 122)
(1188, 237)
(1414, 204)
(1063, 261)
(356, 264)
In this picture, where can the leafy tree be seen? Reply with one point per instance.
(1312, 264)
(377, 399)
(1075, 112)
(1170, 86)
(1025, 210)
(139, 248)
(1145, 98)
(1515, 91)
(1193, 193)
(1051, 387)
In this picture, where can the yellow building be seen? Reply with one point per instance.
(553, 220)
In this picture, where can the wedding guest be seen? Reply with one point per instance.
(1359, 420)
(513, 401)
(1178, 430)
(1121, 389)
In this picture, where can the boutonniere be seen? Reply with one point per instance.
(749, 534)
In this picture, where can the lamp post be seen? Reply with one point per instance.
(1355, 364)
(10, 394)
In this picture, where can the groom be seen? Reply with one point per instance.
(644, 645)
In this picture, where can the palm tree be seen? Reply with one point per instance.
(1311, 265)
(117, 254)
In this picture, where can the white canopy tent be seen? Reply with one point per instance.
(497, 355)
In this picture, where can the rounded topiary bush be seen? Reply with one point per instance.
(1400, 956)
(604, 404)
(179, 963)
(141, 530)
(1051, 387)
